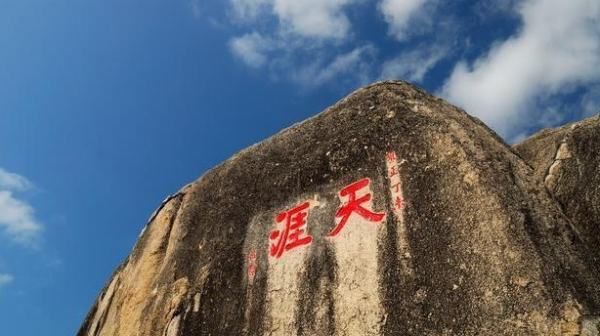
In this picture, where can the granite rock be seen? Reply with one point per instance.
(390, 213)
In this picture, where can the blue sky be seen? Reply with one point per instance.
(108, 106)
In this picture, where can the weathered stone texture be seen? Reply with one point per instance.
(476, 246)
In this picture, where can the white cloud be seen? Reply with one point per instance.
(413, 65)
(5, 279)
(398, 15)
(314, 18)
(557, 48)
(16, 216)
(323, 19)
(251, 48)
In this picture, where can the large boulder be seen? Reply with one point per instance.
(567, 161)
(390, 213)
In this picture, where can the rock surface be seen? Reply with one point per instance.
(390, 213)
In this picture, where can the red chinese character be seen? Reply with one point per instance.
(393, 171)
(390, 156)
(399, 203)
(355, 205)
(292, 235)
(396, 187)
(252, 265)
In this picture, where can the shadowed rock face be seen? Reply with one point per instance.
(390, 213)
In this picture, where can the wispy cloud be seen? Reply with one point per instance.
(414, 65)
(249, 10)
(558, 48)
(196, 8)
(355, 65)
(17, 217)
(5, 279)
(253, 49)
(12, 181)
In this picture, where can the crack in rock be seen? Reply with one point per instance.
(552, 176)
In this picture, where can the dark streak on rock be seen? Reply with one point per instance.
(395, 287)
(258, 298)
(317, 292)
